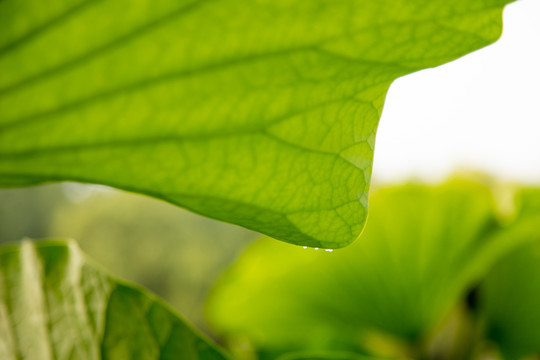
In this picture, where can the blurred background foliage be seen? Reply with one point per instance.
(176, 254)
(441, 272)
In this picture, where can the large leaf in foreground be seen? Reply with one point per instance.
(54, 305)
(422, 249)
(260, 113)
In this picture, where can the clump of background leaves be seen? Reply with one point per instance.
(401, 289)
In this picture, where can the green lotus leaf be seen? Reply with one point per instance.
(56, 305)
(260, 113)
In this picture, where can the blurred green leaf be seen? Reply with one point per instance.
(528, 202)
(261, 113)
(55, 305)
(510, 295)
(422, 249)
(326, 356)
(511, 302)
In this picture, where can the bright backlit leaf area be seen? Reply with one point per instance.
(263, 114)
(259, 113)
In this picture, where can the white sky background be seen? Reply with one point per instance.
(480, 112)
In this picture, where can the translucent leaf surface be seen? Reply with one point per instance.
(422, 249)
(260, 113)
(54, 305)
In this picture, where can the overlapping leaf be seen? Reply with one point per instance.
(54, 305)
(260, 113)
